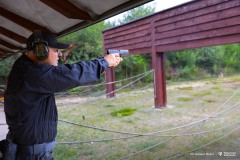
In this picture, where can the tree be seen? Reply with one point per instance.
(6, 66)
(89, 42)
(136, 13)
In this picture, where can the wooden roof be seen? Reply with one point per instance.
(20, 17)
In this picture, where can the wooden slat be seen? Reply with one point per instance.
(232, 21)
(12, 35)
(201, 19)
(131, 46)
(199, 43)
(29, 25)
(140, 50)
(9, 45)
(5, 50)
(201, 35)
(129, 42)
(128, 26)
(144, 34)
(128, 31)
(200, 12)
(67, 9)
(179, 10)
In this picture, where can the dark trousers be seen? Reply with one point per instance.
(12, 151)
(36, 152)
(40, 156)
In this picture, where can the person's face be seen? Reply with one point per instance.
(53, 56)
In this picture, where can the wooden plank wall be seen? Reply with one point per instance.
(196, 24)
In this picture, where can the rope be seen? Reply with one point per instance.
(140, 134)
(206, 143)
(152, 134)
(173, 135)
(146, 149)
(103, 83)
(190, 128)
(110, 92)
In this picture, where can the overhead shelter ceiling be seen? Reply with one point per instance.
(19, 18)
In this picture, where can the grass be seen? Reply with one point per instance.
(134, 112)
(201, 94)
(123, 112)
(185, 99)
(185, 88)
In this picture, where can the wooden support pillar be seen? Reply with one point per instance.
(158, 65)
(109, 76)
(110, 82)
(160, 94)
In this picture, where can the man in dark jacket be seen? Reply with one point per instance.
(29, 102)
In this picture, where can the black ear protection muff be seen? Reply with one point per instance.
(40, 47)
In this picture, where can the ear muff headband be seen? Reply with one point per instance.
(40, 47)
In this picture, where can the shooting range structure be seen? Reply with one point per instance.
(196, 24)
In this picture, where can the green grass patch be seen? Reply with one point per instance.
(185, 88)
(216, 88)
(109, 105)
(123, 112)
(209, 100)
(202, 94)
(185, 99)
(75, 90)
(234, 79)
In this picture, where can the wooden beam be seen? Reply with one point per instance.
(213, 41)
(12, 35)
(9, 45)
(124, 43)
(5, 50)
(119, 9)
(29, 25)
(67, 9)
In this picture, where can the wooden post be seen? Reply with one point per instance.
(110, 84)
(109, 76)
(158, 64)
(160, 94)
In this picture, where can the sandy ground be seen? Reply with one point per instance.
(3, 128)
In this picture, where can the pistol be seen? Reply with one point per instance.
(120, 52)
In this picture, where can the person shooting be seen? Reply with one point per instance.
(30, 108)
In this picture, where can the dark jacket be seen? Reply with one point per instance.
(29, 102)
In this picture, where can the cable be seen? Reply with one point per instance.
(93, 141)
(174, 135)
(103, 83)
(206, 144)
(140, 134)
(185, 131)
(146, 149)
(211, 116)
(110, 92)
